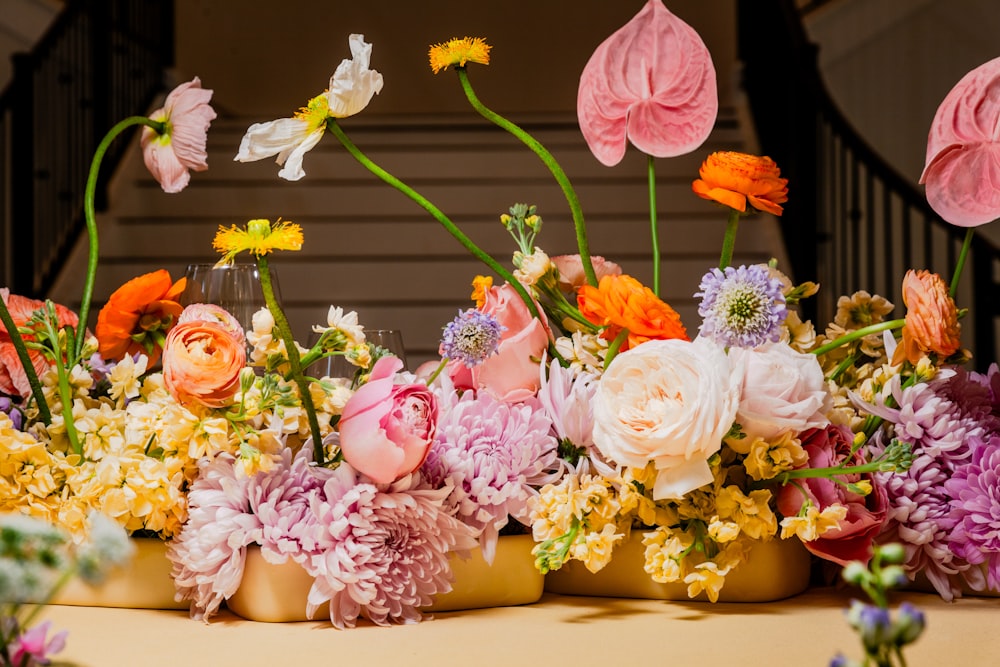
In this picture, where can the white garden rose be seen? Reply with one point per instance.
(783, 391)
(670, 402)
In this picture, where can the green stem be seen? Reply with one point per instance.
(550, 162)
(961, 262)
(89, 217)
(859, 333)
(438, 215)
(614, 347)
(729, 240)
(25, 359)
(285, 331)
(654, 232)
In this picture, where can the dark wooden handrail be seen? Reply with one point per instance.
(100, 61)
(852, 221)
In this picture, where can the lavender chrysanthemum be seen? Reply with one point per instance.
(493, 453)
(975, 501)
(471, 337)
(383, 549)
(741, 307)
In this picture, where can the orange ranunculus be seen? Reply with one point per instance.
(734, 179)
(137, 316)
(931, 318)
(13, 379)
(622, 302)
(202, 361)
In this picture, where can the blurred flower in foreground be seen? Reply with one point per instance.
(180, 147)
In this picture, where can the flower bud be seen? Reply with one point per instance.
(910, 623)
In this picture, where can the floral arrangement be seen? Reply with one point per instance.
(570, 400)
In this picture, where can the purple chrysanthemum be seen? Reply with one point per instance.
(493, 453)
(741, 307)
(471, 337)
(975, 501)
(383, 549)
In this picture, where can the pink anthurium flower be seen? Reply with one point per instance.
(962, 173)
(652, 82)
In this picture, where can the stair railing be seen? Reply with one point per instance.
(852, 221)
(100, 61)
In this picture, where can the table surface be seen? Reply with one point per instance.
(808, 629)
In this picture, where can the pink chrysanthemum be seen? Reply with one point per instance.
(383, 549)
(210, 553)
(567, 398)
(493, 453)
(975, 501)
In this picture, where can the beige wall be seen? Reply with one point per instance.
(269, 57)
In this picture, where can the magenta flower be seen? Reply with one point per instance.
(181, 146)
(32, 649)
(652, 82)
(962, 172)
(975, 501)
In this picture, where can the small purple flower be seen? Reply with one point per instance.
(872, 623)
(8, 407)
(910, 624)
(741, 307)
(471, 337)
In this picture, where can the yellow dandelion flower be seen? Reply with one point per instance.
(458, 52)
(258, 238)
(480, 286)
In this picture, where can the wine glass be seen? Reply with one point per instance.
(235, 287)
(337, 366)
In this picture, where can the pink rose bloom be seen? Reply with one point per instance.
(963, 150)
(202, 362)
(511, 375)
(571, 275)
(831, 446)
(181, 147)
(386, 429)
(652, 82)
(783, 390)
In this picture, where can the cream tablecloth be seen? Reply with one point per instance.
(573, 631)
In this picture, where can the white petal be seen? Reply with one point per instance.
(353, 85)
(266, 139)
(292, 170)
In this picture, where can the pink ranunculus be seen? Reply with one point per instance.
(652, 82)
(181, 147)
(202, 362)
(210, 312)
(571, 275)
(783, 391)
(386, 429)
(511, 375)
(963, 150)
(826, 447)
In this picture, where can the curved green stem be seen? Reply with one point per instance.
(613, 348)
(285, 331)
(438, 215)
(960, 264)
(729, 241)
(25, 359)
(859, 333)
(654, 232)
(88, 214)
(557, 171)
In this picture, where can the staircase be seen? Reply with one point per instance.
(371, 249)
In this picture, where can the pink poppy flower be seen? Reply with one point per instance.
(653, 83)
(181, 147)
(962, 171)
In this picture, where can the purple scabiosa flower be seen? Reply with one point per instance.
(975, 501)
(383, 549)
(471, 337)
(493, 453)
(741, 307)
(209, 554)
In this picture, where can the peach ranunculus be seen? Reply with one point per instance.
(511, 375)
(387, 429)
(571, 275)
(670, 402)
(931, 318)
(210, 312)
(13, 379)
(736, 179)
(171, 155)
(137, 315)
(622, 302)
(202, 361)
(652, 82)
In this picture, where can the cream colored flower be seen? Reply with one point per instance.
(752, 512)
(706, 577)
(595, 550)
(531, 268)
(584, 351)
(810, 524)
(767, 458)
(346, 323)
(125, 377)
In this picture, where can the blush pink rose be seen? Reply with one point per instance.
(783, 391)
(387, 429)
(571, 275)
(511, 375)
(202, 361)
(852, 540)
